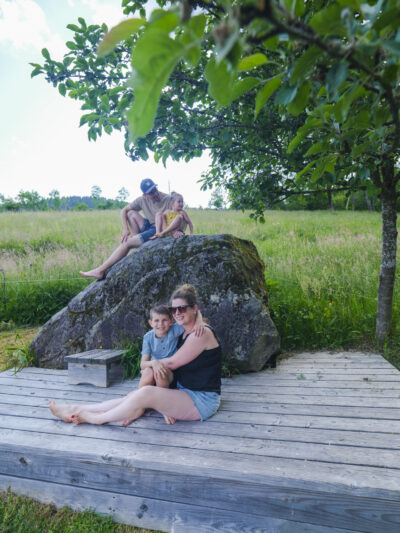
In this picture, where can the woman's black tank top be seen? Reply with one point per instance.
(204, 372)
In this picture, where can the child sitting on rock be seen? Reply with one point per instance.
(173, 221)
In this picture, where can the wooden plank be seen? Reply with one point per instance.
(235, 383)
(329, 508)
(303, 386)
(349, 479)
(228, 406)
(255, 420)
(93, 374)
(360, 434)
(157, 514)
(333, 452)
(314, 387)
(95, 356)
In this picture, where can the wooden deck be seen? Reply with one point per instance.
(312, 446)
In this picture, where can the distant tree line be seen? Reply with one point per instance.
(33, 201)
(353, 201)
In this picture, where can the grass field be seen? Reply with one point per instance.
(322, 272)
(322, 268)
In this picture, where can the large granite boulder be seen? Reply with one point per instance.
(227, 272)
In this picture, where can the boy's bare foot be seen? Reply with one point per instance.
(92, 274)
(127, 421)
(61, 411)
(169, 419)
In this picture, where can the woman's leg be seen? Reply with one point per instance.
(175, 404)
(65, 411)
(145, 380)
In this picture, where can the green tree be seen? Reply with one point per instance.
(31, 201)
(331, 69)
(55, 200)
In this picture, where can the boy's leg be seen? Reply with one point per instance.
(147, 378)
(165, 382)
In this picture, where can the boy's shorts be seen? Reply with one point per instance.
(147, 231)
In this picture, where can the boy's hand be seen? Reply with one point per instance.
(156, 236)
(198, 330)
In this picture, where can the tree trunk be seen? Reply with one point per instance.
(388, 263)
(353, 202)
(330, 201)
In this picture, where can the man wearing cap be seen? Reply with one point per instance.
(137, 229)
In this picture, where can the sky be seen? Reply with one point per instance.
(41, 145)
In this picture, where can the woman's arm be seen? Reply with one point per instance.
(191, 349)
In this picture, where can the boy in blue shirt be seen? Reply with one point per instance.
(160, 343)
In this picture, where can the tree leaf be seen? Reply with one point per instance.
(300, 101)
(392, 46)
(62, 89)
(45, 54)
(328, 21)
(74, 27)
(335, 77)
(243, 86)
(326, 164)
(266, 92)
(118, 33)
(71, 45)
(153, 59)
(305, 63)
(285, 95)
(220, 79)
(36, 71)
(192, 34)
(316, 148)
(249, 62)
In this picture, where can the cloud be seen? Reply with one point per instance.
(109, 13)
(23, 25)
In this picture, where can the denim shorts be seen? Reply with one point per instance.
(147, 231)
(206, 403)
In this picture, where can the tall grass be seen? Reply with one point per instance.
(322, 268)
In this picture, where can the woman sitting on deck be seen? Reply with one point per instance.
(197, 369)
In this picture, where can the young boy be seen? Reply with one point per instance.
(160, 343)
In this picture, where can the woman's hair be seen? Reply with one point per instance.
(186, 292)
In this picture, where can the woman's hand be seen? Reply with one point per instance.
(160, 372)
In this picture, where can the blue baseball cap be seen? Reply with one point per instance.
(147, 185)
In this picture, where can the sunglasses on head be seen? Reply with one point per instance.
(178, 308)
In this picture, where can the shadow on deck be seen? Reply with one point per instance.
(311, 446)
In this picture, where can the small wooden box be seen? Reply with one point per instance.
(97, 367)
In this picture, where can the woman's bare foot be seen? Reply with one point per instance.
(127, 421)
(80, 416)
(95, 273)
(169, 419)
(61, 410)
